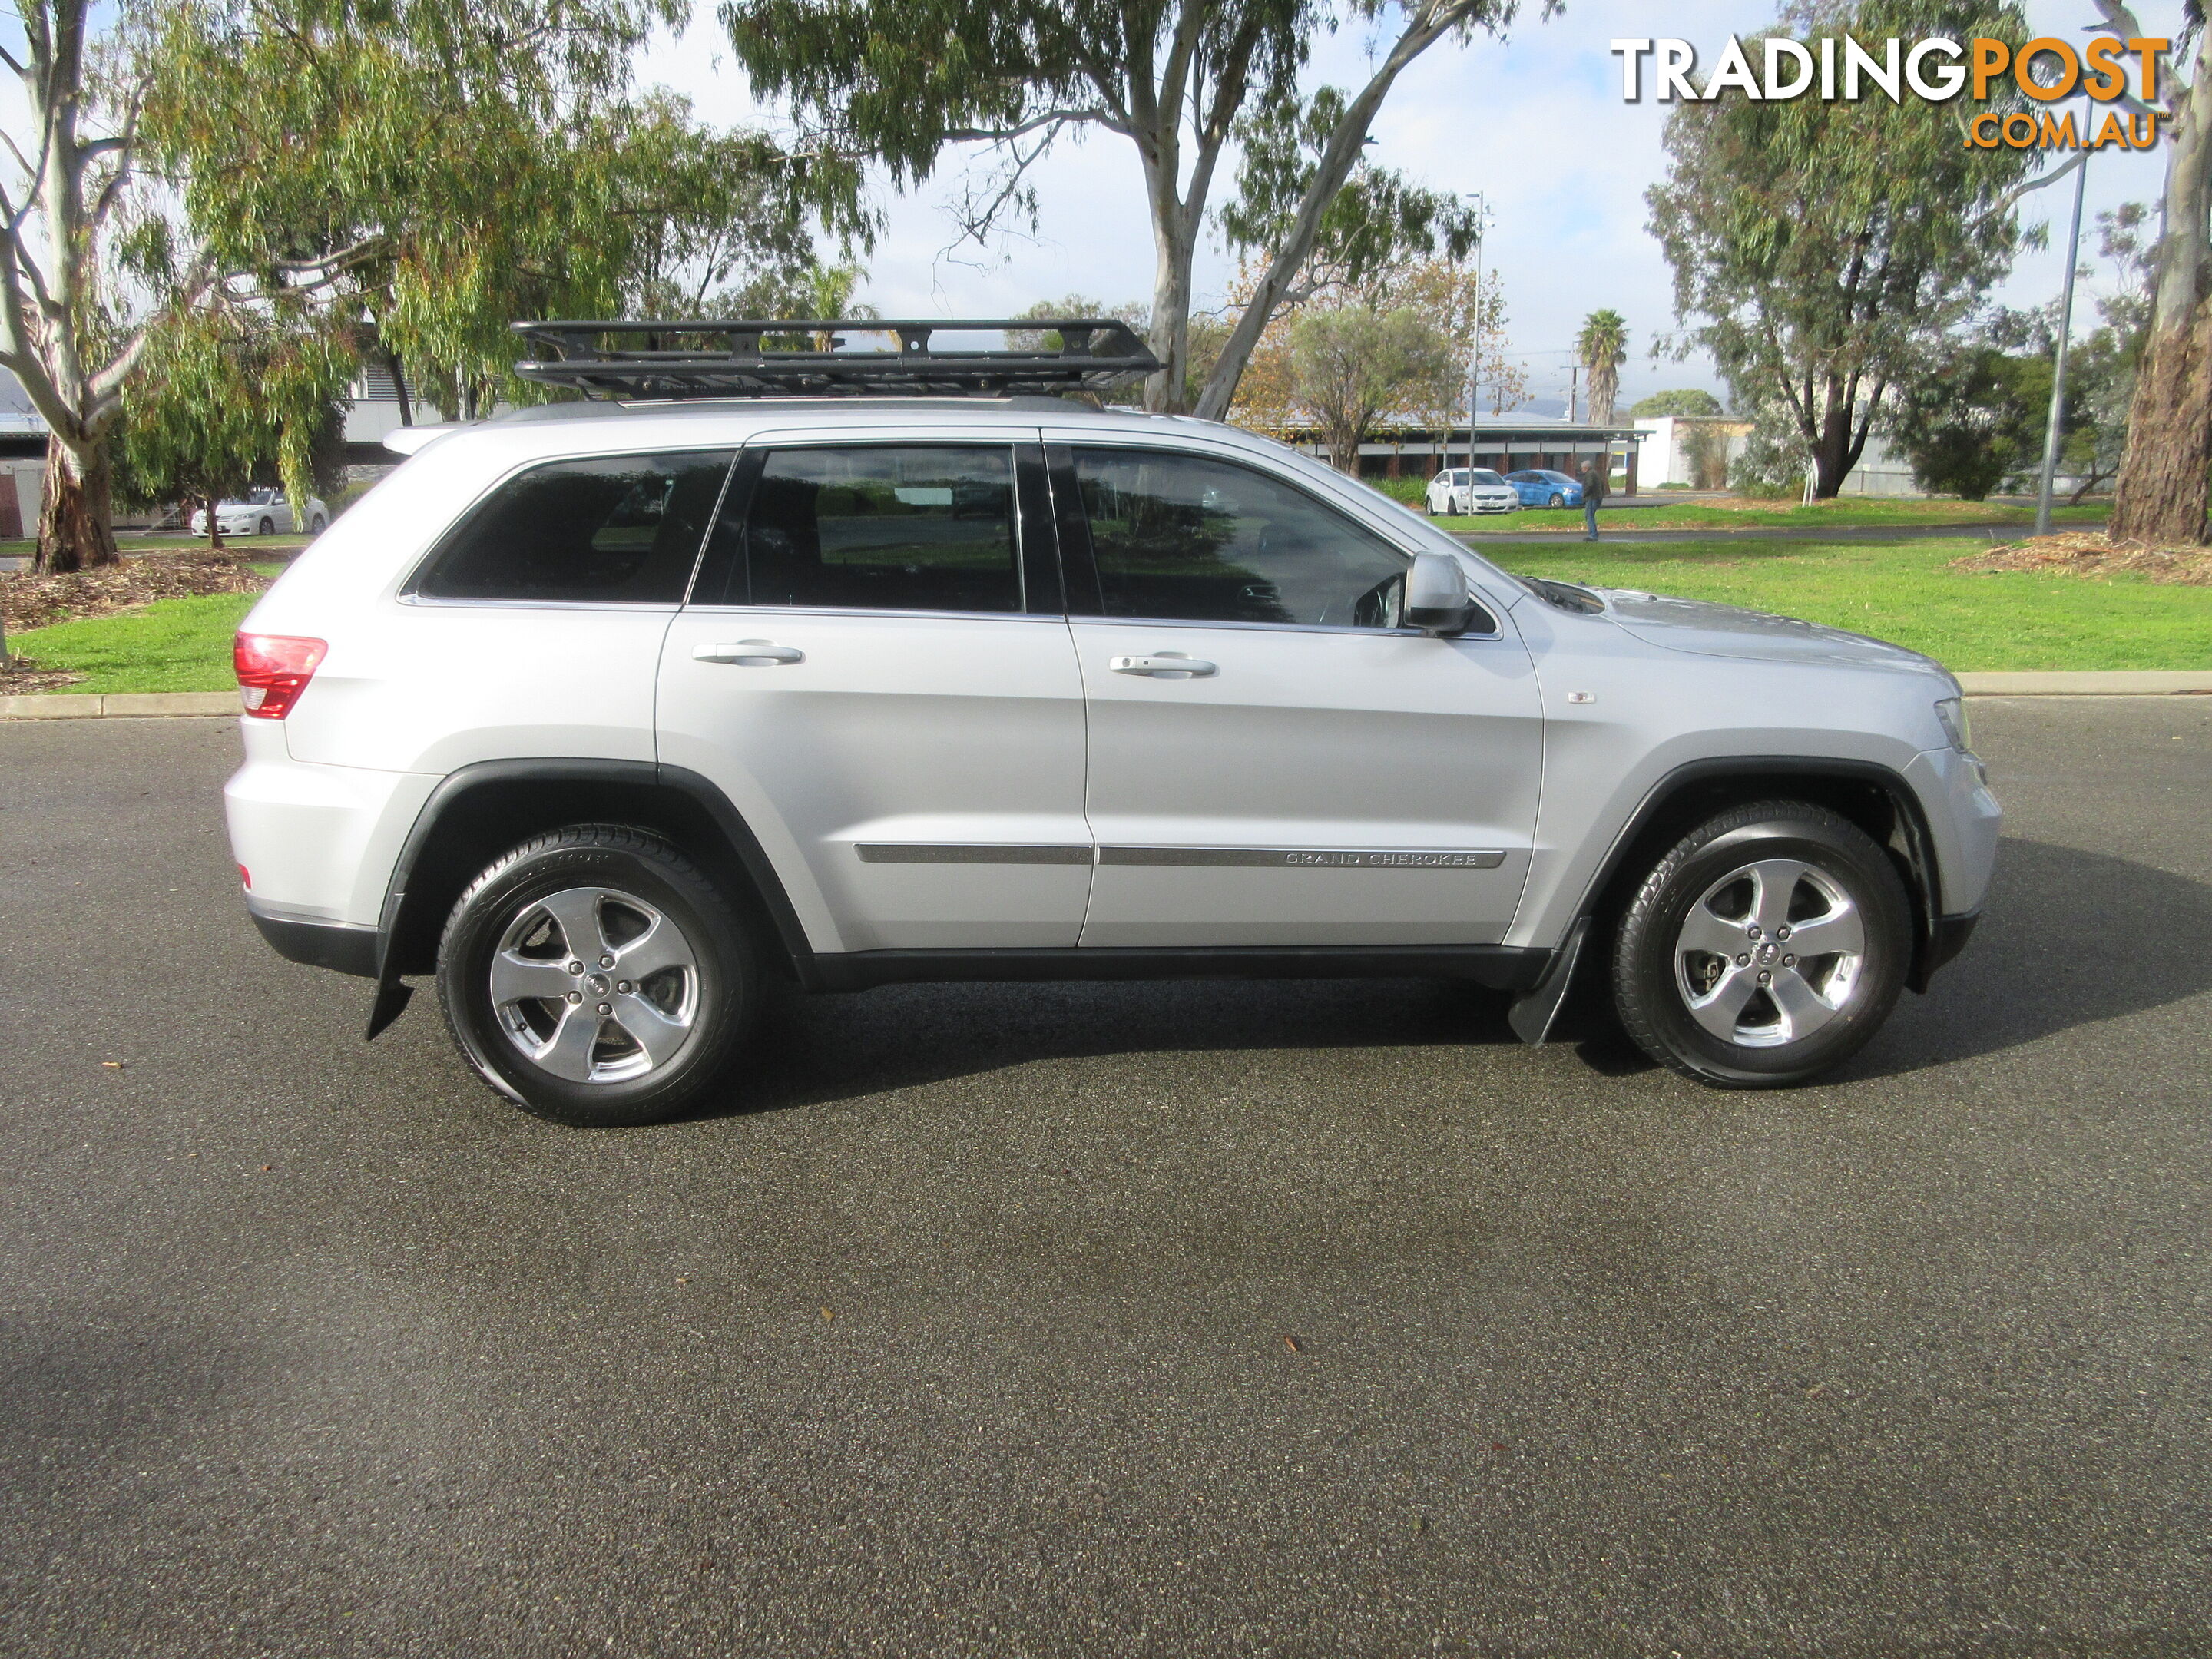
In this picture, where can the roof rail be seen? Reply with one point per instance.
(703, 358)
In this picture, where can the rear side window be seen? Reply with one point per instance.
(613, 529)
(888, 527)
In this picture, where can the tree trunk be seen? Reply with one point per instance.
(75, 532)
(1167, 392)
(214, 524)
(2162, 495)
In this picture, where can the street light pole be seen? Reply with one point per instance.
(1474, 364)
(2058, 368)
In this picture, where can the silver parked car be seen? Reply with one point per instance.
(608, 715)
(262, 512)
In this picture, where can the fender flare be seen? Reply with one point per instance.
(391, 992)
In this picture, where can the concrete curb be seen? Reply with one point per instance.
(2112, 683)
(63, 705)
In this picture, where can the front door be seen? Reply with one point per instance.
(876, 671)
(1273, 761)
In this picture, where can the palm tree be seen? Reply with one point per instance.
(1603, 347)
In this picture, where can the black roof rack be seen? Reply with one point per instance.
(809, 357)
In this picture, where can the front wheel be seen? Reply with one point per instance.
(596, 977)
(1767, 947)
(315, 524)
(267, 528)
(1558, 500)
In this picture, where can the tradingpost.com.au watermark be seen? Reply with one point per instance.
(1935, 69)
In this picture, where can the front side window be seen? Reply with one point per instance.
(884, 527)
(611, 529)
(1185, 537)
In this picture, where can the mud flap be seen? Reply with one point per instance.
(391, 996)
(1532, 1013)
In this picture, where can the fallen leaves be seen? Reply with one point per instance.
(2091, 553)
(31, 601)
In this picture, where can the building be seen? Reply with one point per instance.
(1672, 443)
(22, 471)
(1407, 446)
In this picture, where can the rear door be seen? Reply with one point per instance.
(1273, 761)
(875, 668)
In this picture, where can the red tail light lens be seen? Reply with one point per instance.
(273, 669)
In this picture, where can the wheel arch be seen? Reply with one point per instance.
(479, 811)
(1874, 797)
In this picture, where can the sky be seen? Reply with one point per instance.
(1535, 122)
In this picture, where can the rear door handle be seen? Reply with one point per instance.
(749, 653)
(1163, 662)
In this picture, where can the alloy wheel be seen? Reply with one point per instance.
(1770, 953)
(595, 985)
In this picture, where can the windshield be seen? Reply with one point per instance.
(1484, 475)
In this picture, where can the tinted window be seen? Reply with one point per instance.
(1185, 537)
(616, 528)
(883, 528)
(1484, 475)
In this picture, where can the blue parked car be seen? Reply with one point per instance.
(1540, 488)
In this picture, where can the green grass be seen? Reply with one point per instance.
(1858, 511)
(1906, 592)
(173, 645)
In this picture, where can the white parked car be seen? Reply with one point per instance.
(262, 512)
(1469, 490)
(608, 715)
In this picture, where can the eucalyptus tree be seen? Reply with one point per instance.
(472, 162)
(67, 332)
(228, 387)
(2161, 493)
(1181, 80)
(1824, 251)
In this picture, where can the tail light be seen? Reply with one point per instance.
(273, 669)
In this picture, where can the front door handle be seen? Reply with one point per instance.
(749, 653)
(1161, 662)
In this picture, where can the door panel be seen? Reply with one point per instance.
(1316, 788)
(1317, 775)
(916, 774)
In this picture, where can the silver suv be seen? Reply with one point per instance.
(611, 714)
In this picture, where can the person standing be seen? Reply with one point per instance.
(1597, 473)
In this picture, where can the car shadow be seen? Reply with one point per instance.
(2068, 938)
(812, 1050)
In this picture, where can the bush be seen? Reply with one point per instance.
(1409, 491)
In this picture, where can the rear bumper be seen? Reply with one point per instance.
(346, 947)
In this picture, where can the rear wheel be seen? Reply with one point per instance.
(596, 977)
(1767, 947)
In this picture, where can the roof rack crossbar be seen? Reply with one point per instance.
(812, 356)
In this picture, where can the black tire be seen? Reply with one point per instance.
(1558, 500)
(1674, 998)
(700, 1009)
(266, 527)
(315, 524)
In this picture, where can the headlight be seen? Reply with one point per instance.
(1952, 712)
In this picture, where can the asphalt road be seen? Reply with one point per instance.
(1312, 1319)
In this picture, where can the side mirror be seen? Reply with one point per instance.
(1437, 600)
